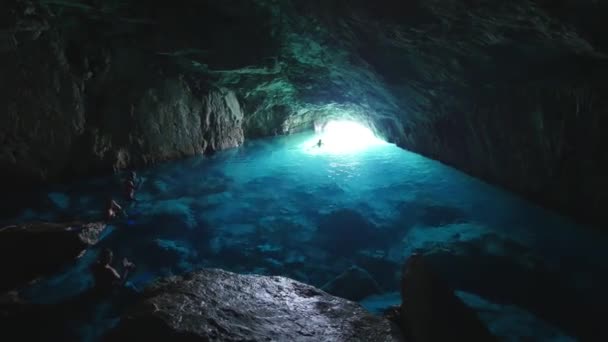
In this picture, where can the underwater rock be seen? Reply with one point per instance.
(354, 284)
(385, 271)
(32, 250)
(170, 214)
(459, 239)
(171, 253)
(215, 305)
(159, 187)
(345, 231)
(381, 303)
(429, 214)
(178, 248)
(60, 200)
(431, 312)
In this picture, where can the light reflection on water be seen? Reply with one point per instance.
(274, 207)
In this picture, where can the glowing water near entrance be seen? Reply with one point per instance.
(283, 207)
(342, 137)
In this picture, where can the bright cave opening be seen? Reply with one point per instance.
(342, 137)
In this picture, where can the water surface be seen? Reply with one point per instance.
(283, 206)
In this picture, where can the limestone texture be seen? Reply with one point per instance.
(215, 305)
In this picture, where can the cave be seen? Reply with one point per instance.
(304, 170)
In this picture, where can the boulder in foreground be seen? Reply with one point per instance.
(32, 250)
(215, 305)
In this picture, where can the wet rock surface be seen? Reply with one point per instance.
(215, 305)
(33, 250)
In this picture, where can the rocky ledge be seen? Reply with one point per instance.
(32, 250)
(215, 305)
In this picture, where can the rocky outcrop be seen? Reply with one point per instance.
(520, 279)
(166, 120)
(42, 101)
(33, 250)
(431, 312)
(215, 305)
(84, 105)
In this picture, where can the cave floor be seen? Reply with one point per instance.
(282, 206)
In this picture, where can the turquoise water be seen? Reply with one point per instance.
(285, 207)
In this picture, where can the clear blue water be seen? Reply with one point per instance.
(274, 207)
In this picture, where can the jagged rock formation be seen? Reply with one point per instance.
(215, 305)
(512, 92)
(34, 250)
(80, 105)
(431, 312)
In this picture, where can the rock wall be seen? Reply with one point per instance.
(88, 105)
(512, 93)
(42, 102)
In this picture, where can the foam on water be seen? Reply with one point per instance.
(282, 207)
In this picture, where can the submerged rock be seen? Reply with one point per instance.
(32, 250)
(215, 305)
(344, 231)
(385, 272)
(354, 284)
(429, 214)
(171, 253)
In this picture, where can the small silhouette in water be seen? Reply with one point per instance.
(130, 186)
(107, 277)
(319, 143)
(112, 209)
